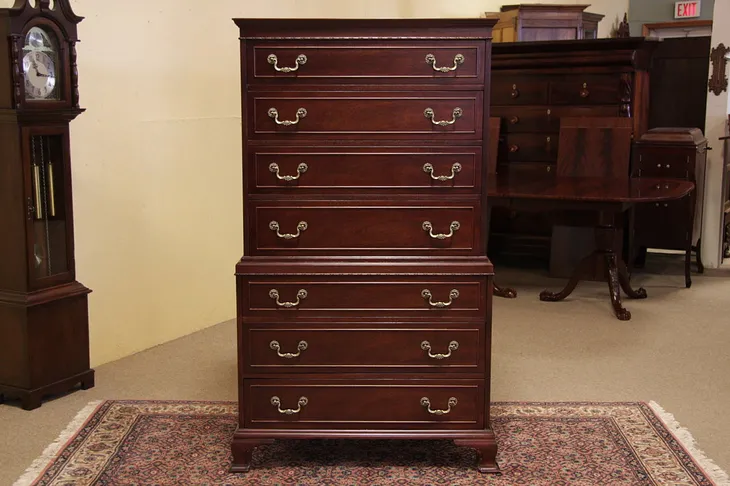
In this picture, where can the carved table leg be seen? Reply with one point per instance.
(505, 292)
(625, 281)
(242, 450)
(583, 267)
(486, 453)
(616, 272)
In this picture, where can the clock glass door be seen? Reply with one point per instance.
(48, 231)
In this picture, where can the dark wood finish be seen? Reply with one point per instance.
(718, 79)
(545, 22)
(44, 335)
(534, 86)
(594, 147)
(679, 153)
(678, 80)
(609, 198)
(337, 310)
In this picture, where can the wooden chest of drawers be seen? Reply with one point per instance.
(364, 293)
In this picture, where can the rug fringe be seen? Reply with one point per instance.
(39, 465)
(716, 474)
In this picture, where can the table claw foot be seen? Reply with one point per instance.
(614, 287)
(547, 296)
(506, 292)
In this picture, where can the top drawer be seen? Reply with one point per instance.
(393, 62)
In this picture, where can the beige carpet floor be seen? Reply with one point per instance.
(675, 350)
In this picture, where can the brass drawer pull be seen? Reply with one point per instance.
(425, 402)
(273, 113)
(584, 91)
(514, 148)
(515, 92)
(302, 226)
(273, 60)
(302, 346)
(276, 401)
(431, 59)
(455, 115)
(301, 295)
(453, 295)
(301, 169)
(514, 120)
(426, 346)
(427, 226)
(455, 169)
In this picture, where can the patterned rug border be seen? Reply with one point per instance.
(683, 442)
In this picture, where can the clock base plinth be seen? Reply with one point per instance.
(32, 399)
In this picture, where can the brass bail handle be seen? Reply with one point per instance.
(455, 115)
(274, 61)
(426, 403)
(455, 169)
(431, 59)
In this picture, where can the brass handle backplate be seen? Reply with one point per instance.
(453, 295)
(273, 60)
(426, 346)
(276, 401)
(455, 169)
(274, 113)
(301, 295)
(455, 115)
(301, 169)
(302, 226)
(277, 347)
(431, 59)
(425, 402)
(454, 226)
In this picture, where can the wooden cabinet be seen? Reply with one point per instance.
(671, 153)
(534, 86)
(545, 22)
(364, 294)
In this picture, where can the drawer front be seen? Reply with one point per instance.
(663, 224)
(297, 297)
(529, 147)
(367, 62)
(519, 90)
(305, 348)
(586, 90)
(434, 170)
(341, 227)
(545, 119)
(352, 404)
(366, 115)
(664, 166)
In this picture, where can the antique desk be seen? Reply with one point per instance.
(609, 197)
(364, 292)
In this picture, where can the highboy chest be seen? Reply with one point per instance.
(364, 292)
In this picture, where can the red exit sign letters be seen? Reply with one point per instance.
(687, 9)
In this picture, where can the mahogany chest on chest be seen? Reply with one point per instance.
(364, 292)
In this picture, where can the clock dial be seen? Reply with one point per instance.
(40, 60)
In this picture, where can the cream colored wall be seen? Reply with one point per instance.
(718, 108)
(156, 157)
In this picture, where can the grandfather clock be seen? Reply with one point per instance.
(44, 331)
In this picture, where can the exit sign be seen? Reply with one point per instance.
(687, 9)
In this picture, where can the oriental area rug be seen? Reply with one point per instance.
(540, 444)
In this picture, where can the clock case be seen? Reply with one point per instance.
(44, 336)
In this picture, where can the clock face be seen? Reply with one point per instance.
(40, 60)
